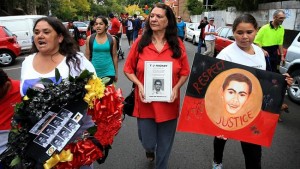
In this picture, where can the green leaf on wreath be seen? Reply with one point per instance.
(15, 161)
(57, 75)
(46, 81)
(84, 74)
(71, 78)
(92, 130)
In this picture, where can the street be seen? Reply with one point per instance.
(193, 151)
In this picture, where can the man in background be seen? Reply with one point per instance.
(116, 26)
(137, 25)
(201, 26)
(74, 32)
(270, 39)
(210, 37)
(181, 28)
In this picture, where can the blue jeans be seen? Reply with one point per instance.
(158, 138)
(87, 167)
(199, 46)
(135, 34)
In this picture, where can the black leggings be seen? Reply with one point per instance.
(111, 80)
(252, 153)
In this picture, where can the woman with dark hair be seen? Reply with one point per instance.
(157, 121)
(103, 53)
(54, 49)
(90, 29)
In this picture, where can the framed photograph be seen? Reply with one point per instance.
(158, 81)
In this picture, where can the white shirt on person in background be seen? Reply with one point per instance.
(210, 28)
(130, 25)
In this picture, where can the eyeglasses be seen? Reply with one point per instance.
(178, 18)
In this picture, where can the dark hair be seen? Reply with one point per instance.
(3, 77)
(111, 15)
(245, 18)
(158, 80)
(239, 78)
(92, 22)
(134, 15)
(205, 17)
(67, 47)
(103, 19)
(170, 34)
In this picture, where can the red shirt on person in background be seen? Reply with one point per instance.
(115, 25)
(7, 104)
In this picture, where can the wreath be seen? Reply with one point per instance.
(87, 92)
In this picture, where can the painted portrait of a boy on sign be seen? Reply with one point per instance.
(236, 101)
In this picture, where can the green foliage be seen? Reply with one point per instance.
(115, 6)
(15, 161)
(195, 7)
(132, 9)
(63, 9)
(240, 5)
(224, 4)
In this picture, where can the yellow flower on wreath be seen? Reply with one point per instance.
(95, 90)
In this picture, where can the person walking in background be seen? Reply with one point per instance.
(201, 26)
(157, 121)
(74, 32)
(9, 96)
(104, 53)
(181, 28)
(244, 52)
(116, 26)
(129, 30)
(53, 49)
(210, 33)
(136, 27)
(270, 37)
(90, 29)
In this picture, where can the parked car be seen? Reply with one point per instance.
(82, 27)
(9, 47)
(291, 65)
(21, 26)
(192, 32)
(224, 38)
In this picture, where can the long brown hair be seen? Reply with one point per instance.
(170, 34)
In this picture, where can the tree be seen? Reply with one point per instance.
(224, 4)
(195, 7)
(241, 5)
(133, 9)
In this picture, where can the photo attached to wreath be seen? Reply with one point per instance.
(53, 132)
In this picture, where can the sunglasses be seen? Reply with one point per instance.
(178, 18)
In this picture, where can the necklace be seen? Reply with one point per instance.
(158, 42)
(54, 53)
